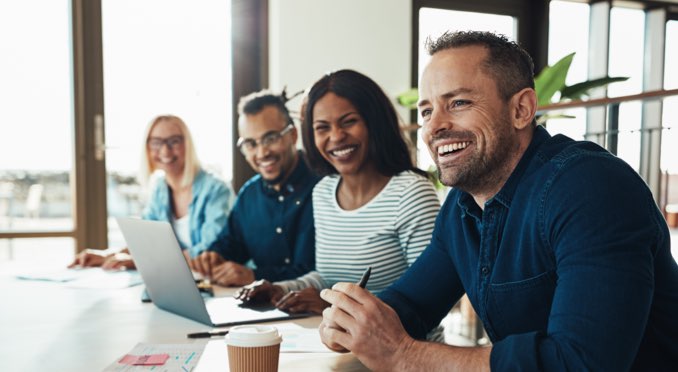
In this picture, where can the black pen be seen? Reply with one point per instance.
(207, 334)
(366, 276)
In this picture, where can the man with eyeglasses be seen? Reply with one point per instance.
(270, 233)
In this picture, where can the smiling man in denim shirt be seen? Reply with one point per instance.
(270, 233)
(558, 244)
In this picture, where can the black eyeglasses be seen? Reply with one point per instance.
(156, 143)
(249, 145)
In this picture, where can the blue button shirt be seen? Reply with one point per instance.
(568, 266)
(207, 213)
(273, 230)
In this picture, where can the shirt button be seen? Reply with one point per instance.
(278, 230)
(297, 202)
(484, 270)
(287, 260)
(281, 198)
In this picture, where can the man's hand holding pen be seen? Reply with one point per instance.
(359, 322)
(327, 323)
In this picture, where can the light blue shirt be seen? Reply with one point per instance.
(208, 211)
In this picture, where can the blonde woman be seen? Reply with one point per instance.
(195, 202)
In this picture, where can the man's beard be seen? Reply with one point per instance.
(285, 170)
(277, 180)
(481, 170)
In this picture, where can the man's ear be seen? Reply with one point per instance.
(523, 108)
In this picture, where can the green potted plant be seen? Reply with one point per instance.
(551, 80)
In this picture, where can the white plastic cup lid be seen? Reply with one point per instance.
(253, 336)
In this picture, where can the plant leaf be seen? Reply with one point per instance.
(409, 99)
(552, 79)
(578, 90)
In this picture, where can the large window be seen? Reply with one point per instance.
(159, 57)
(670, 109)
(563, 40)
(626, 59)
(36, 144)
(163, 57)
(669, 156)
(629, 129)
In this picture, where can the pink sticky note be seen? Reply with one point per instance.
(144, 360)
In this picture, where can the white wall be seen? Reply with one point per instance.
(311, 37)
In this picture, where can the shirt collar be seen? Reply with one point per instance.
(468, 205)
(505, 195)
(299, 175)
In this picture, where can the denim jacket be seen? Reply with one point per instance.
(208, 211)
(568, 266)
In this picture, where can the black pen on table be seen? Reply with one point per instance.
(366, 276)
(207, 334)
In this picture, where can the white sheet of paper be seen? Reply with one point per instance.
(59, 275)
(297, 339)
(87, 278)
(102, 279)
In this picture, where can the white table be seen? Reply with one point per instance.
(46, 326)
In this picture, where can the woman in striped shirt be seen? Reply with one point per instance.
(373, 207)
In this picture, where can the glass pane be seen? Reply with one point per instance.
(163, 57)
(671, 56)
(563, 40)
(627, 30)
(434, 22)
(669, 157)
(36, 101)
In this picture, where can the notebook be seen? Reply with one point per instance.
(171, 285)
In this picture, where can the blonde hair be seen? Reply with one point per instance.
(191, 161)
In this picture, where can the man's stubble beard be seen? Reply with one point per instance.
(482, 170)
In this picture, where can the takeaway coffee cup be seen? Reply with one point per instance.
(253, 348)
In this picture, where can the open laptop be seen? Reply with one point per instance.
(170, 283)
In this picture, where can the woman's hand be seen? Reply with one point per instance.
(90, 258)
(119, 261)
(260, 291)
(306, 300)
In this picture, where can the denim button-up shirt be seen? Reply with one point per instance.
(273, 230)
(568, 266)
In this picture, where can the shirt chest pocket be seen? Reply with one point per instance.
(521, 306)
